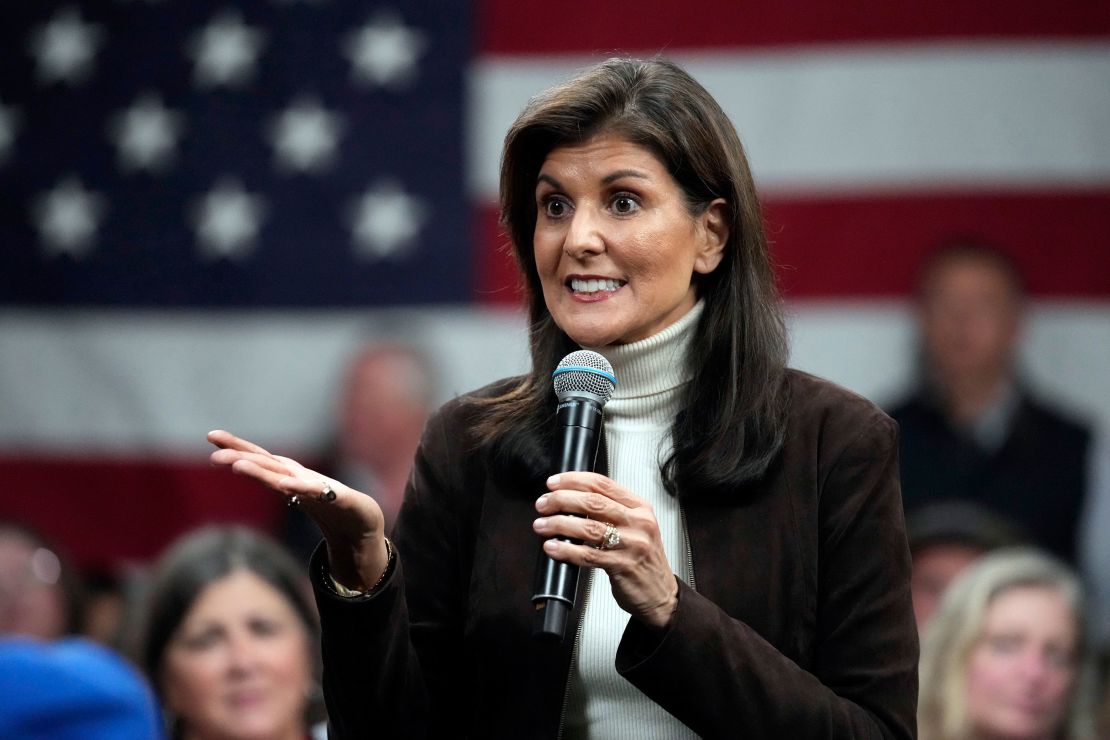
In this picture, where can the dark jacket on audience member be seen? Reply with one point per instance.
(1036, 479)
(799, 624)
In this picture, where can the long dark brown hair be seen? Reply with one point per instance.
(733, 419)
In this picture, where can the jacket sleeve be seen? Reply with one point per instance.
(384, 671)
(716, 674)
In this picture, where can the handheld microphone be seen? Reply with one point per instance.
(584, 382)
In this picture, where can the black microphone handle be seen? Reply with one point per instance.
(579, 421)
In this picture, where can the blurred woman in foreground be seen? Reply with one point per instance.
(230, 638)
(1003, 657)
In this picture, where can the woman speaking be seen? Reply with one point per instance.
(745, 568)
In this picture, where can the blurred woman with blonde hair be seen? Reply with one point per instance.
(1004, 656)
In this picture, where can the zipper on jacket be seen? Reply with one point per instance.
(585, 602)
(686, 543)
(574, 652)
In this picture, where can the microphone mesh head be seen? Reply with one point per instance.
(584, 372)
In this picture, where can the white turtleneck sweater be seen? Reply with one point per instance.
(650, 374)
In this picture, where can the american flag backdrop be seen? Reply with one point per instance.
(206, 206)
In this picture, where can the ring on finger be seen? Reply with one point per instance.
(327, 495)
(610, 539)
(294, 501)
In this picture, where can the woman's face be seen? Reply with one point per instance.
(616, 248)
(239, 665)
(1020, 672)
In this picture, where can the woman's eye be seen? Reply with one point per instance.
(1059, 657)
(624, 204)
(200, 640)
(265, 627)
(554, 208)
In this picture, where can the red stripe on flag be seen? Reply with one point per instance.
(577, 26)
(870, 246)
(104, 512)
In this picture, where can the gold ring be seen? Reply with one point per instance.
(610, 539)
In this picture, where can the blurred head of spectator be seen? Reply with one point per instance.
(105, 606)
(230, 637)
(40, 593)
(970, 309)
(386, 398)
(1004, 655)
(945, 538)
(73, 689)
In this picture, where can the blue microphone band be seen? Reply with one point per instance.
(581, 369)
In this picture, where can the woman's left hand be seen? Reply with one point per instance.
(642, 580)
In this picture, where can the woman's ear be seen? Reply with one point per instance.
(713, 232)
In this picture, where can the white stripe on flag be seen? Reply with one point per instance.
(923, 115)
(103, 384)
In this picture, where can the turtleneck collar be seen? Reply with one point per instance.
(651, 370)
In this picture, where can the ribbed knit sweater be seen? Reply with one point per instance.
(650, 376)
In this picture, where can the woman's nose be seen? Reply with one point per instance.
(241, 653)
(584, 237)
(1034, 665)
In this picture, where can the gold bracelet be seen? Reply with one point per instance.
(390, 558)
(351, 593)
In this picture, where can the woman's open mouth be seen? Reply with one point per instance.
(594, 287)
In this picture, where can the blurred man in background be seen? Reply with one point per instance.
(384, 401)
(972, 430)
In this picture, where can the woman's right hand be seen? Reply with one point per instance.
(352, 523)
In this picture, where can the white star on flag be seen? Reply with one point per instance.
(385, 221)
(384, 51)
(67, 218)
(9, 125)
(305, 136)
(65, 47)
(227, 219)
(146, 134)
(225, 51)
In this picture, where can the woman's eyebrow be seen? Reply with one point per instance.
(614, 176)
(607, 180)
(549, 180)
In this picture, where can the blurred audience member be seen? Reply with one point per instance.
(973, 431)
(40, 594)
(105, 607)
(383, 404)
(945, 538)
(72, 689)
(230, 638)
(1094, 556)
(1004, 655)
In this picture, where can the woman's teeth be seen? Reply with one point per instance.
(593, 286)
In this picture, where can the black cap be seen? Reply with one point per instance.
(961, 523)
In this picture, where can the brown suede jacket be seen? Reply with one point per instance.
(800, 627)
